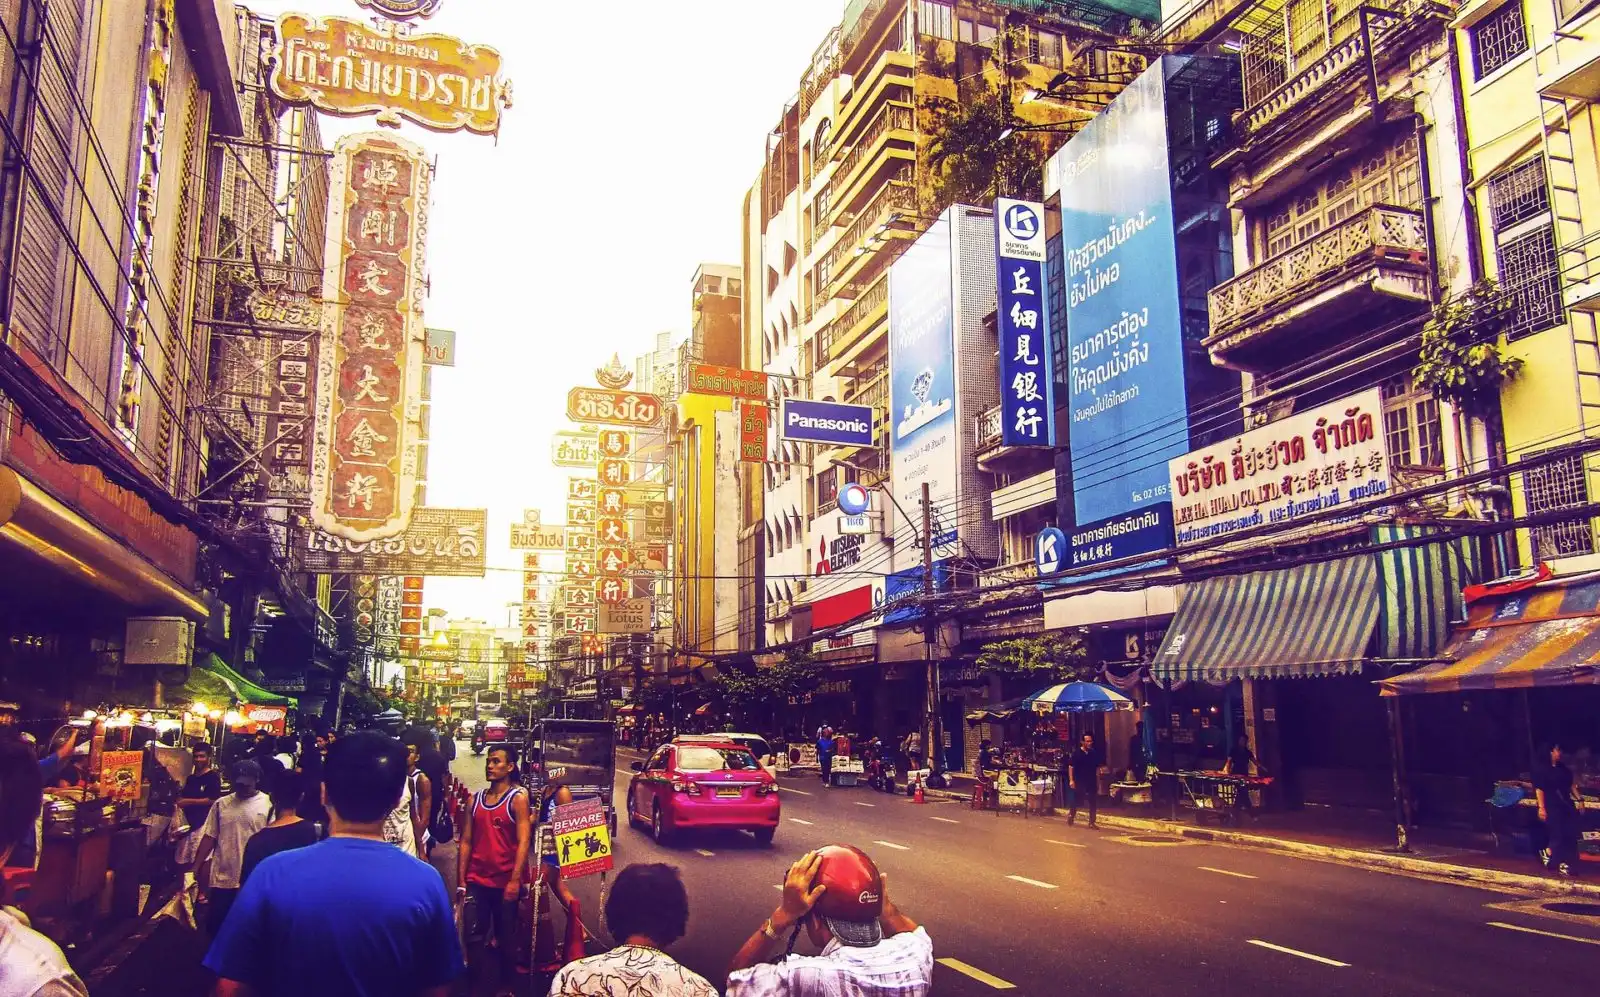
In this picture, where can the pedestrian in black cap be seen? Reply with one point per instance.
(233, 820)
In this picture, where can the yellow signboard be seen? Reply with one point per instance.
(348, 68)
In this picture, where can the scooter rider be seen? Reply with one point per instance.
(868, 946)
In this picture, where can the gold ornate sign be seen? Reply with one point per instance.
(348, 68)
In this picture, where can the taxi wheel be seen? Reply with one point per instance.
(764, 836)
(658, 825)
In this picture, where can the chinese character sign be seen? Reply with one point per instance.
(1027, 406)
(364, 463)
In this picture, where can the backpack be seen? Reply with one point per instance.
(443, 829)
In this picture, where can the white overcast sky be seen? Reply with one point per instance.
(636, 130)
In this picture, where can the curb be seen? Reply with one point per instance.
(1382, 861)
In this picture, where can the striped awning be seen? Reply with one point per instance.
(1313, 619)
(1546, 635)
(1419, 591)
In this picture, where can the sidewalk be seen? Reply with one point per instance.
(1330, 837)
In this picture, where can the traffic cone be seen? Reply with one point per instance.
(919, 797)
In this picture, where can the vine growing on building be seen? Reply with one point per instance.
(1462, 361)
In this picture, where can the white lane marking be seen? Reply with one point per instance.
(799, 821)
(1227, 872)
(946, 820)
(1296, 952)
(797, 792)
(861, 804)
(1547, 934)
(777, 886)
(977, 974)
(890, 844)
(1069, 844)
(706, 852)
(1034, 882)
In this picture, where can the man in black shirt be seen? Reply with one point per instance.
(201, 789)
(1557, 796)
(1083, 778)
(286, 830)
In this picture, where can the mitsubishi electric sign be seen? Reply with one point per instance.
(827, 422)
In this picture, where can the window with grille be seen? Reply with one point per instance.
(1044, 47)
(1411, 424)
(1498, 38)
(1518, 195)
(1530, 275)
(1561, 484)
(1389, 175)
(935, 19)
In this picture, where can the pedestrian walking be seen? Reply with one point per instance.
(1083, 778)
(232, 821)
(869, 947)
(200, 790)
(351, 916)
(1138, 760)
(419, 787)
(1556, 793)
(825, 749)
(399, 828)
(647, 910)
(492, 859)
(287, 829)
(911, 747)
(31, 965)
(312, 749)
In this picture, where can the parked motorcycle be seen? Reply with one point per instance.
(880, 768)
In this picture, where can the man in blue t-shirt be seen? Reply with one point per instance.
(352, 916)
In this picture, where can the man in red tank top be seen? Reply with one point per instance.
(493, 857)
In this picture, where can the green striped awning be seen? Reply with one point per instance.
(1313, 619)
(1420, 591)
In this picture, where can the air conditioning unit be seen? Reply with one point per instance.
(159, 640)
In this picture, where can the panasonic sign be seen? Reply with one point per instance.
(827, 422)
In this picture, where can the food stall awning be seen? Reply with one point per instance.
(1545, 635)
(246, 690)
(1312, 619)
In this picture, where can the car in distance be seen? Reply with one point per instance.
(703, 783)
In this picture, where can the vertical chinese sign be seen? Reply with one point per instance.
(1027, 393)
(612, 535)
(364, 462)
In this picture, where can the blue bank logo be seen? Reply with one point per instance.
(1021, 222)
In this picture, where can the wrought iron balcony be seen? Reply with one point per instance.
(1367, 262)
(1008, 574)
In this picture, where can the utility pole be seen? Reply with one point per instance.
(930, 631)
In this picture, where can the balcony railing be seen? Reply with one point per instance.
(895, 198)
(1380, 234)
(1007, 574)
(832, 341)
(893, 116)
(989, 428)
(871, 389)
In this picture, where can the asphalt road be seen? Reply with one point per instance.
(1038, 907)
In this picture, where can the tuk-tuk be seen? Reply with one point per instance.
(582, 753)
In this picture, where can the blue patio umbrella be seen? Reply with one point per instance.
(1077, 697)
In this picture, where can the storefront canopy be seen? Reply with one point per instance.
(246, 690)
(1547, 635)
(1313, 619)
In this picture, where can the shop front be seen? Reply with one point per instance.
(1522, 674)
(1281, 661)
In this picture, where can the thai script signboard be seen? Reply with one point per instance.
(438, 542)
(348, 68)
(614, 408)
(1307, 464)
(364, 461)
(716, 379)
(574, 449)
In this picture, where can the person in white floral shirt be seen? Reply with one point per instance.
(647, 910)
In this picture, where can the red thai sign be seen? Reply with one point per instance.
(753, 432)
(613, 408)
(364, 463)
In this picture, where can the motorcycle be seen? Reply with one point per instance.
(880, 770)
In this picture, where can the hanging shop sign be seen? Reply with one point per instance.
(831, 423)
(611, 591)
(650, 557)
(524, 537)
(615, 443)
(351, 69)
(286, 327)
(582, 489)
(401, 10)
(580, 513)
(614, 408)
(1308, 464)
(612, 561)
(1027, 406)
(574, 449)
(364, 618)
(611, 531)
(631, 616)
(438, 542)
(441, 348)
(364, 463)
(753, 418)
(613, 473)
(716, 379)
(612, 502)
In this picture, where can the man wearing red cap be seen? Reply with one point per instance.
(868, 946)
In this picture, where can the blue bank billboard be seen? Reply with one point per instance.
(925, 446)
(1127, 409)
